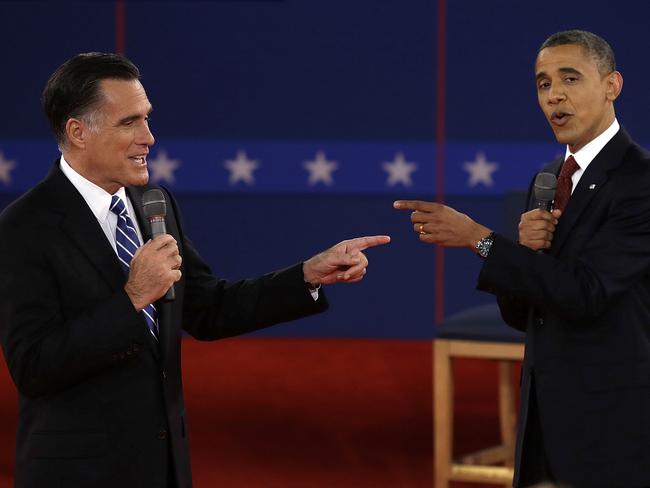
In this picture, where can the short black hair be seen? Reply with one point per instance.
(593, 45)
(73, 89)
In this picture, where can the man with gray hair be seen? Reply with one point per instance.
(90, 336)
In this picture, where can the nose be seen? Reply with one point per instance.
(556, 94)
(145, 136)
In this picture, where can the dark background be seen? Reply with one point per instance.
(326, 73)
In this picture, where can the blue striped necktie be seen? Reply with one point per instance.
(127, 243)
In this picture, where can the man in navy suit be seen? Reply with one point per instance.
(93, 351)
(578, 281)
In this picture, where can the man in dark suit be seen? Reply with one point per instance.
(578, 281)
(93, 351)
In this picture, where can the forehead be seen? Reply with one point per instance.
(552, 59)
(124, 96)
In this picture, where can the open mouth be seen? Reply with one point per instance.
(140, 159)
(560, 118)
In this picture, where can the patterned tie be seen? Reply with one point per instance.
(127, 243)
(564, 183)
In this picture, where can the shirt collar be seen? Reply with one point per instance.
(587, 154)
(98, 199)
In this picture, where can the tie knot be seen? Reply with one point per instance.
(569, 167)
(117, 205)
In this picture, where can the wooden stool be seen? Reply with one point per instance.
(475, 333)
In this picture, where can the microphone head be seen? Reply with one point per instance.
(544, 187)
(154, 204)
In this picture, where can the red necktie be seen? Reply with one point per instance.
(564, 183)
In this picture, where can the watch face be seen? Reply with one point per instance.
(483, 246)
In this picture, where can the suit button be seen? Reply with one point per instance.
(135, 347)
(164, 374)
(162, 435)
(539, 321)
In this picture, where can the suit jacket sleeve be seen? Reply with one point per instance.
(514, 311)
(214, 308)
(608, 255)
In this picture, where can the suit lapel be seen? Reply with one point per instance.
(81, 226)
(591, 182)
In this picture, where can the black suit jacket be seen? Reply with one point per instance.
(585, 307)
(101, 401)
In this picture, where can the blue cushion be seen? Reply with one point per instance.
(481, 323)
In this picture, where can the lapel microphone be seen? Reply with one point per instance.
(154, 207)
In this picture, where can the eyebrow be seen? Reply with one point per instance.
(570, 70)
(133, 117)
(565, 70)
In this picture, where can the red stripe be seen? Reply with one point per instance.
(440, 155)
(119, 27)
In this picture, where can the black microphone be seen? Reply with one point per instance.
(155, 209)
(544, 190)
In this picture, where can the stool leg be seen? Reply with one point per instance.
(443, 413)
(507, 414)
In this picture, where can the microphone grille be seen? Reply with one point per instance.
(154, 204)
(545, 186)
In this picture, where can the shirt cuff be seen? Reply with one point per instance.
(313, 290)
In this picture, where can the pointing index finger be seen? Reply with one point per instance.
(414, 205)
(361, 243)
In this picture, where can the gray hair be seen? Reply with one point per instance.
(594, 46)
(74, 89)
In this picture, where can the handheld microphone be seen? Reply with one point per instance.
(155, 209)
(544, 190)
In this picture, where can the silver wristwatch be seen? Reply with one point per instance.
(483, 246)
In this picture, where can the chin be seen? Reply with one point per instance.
(141, 180)
(561, 137)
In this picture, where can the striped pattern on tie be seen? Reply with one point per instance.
(127, 242)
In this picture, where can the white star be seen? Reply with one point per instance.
(6, 165)
(399, 170)
(241, 168)
(480, 170)
(163, 168)
(320, 169)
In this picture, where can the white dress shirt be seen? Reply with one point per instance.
(99, 201)
(587, 154)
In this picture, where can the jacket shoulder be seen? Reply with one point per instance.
(26, 207)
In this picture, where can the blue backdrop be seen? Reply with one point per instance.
(286, 126)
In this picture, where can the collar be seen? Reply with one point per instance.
(98, 199)
(587, 154)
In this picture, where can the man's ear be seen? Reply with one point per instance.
(614, 85)
(76, 132)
